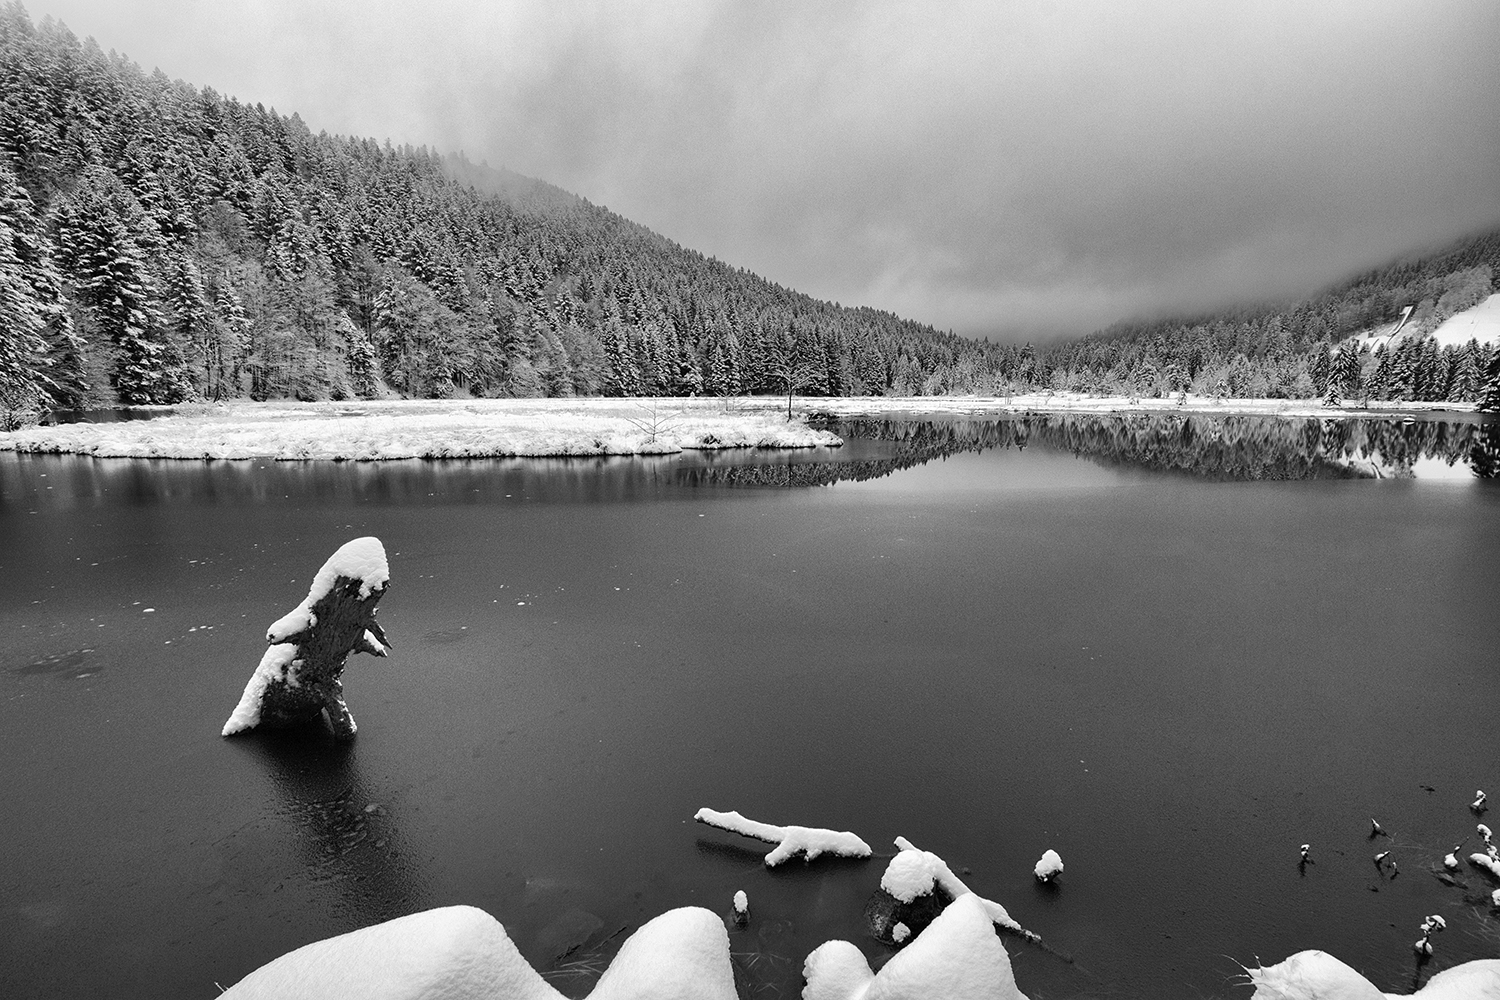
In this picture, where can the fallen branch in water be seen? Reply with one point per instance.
(789, 840)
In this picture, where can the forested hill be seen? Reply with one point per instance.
(1291, 349)
(163, 242)
(160, 242)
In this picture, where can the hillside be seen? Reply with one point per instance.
(161, 242)
(1292, 349)
(165, 242)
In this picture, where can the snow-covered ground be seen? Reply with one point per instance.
(1481, 323)
(1074, 402)
(480, 428)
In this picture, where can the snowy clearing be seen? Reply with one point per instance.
(480, 428)
(1481, 323)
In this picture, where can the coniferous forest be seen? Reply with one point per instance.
(162, 243)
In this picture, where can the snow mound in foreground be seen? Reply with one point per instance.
(463, 953)
(957, 957)
(1317, 975)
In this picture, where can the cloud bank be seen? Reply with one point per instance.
(1002, 169)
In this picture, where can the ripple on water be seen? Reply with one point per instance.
(74, 663)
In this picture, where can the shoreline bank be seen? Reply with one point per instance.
(384, 430)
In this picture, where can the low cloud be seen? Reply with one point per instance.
(1006, 170)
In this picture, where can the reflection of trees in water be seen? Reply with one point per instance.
(1484, 454)
(793, 474)
(347, 837)
(1234, 447)
(1225, 447)
(1222, 447)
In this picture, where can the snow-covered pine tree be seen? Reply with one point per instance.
(23, 351)
(61, 364)
(98, 228)
(1467, 376)
(1489, 392)
(190, 318)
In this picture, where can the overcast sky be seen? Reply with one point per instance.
(1003, 169)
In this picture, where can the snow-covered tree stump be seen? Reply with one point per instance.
(298, 679)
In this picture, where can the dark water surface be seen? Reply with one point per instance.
(1170, 674)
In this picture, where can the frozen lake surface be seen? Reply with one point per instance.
(1170, 653)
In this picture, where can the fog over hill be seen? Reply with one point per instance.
(163, 242)
(1007, 170)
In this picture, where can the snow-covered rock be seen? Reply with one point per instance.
(1049, 867)
(954, 886)
(463, 953)
(1487, 862)
(1317, 975)
(958, 957)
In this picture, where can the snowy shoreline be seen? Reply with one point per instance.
(1074, 402)
(366, 431)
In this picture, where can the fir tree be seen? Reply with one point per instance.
(24, 388)
(60, 366)
(1489, 392)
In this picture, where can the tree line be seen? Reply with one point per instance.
(161, 242)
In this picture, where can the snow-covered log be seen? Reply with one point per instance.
(957, 957)
(1317, 975)
(789, 840)
(298, 679)
(460, 952)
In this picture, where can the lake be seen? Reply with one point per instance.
(1172, 649)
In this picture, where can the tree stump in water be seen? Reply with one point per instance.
(298, 679)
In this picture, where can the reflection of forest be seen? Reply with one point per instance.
(347, 840)
(1224, 447)
(1220, 447)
